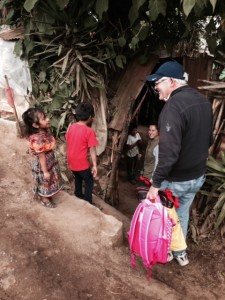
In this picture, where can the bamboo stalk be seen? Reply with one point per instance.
(216, 104)
(14, 108)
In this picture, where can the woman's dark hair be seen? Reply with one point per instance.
(84, 111)
(154, 123)
(30, 117)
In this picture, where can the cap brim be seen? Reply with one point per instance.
(153, 77)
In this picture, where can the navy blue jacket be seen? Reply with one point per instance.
(185, 126)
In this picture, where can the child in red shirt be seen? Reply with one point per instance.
(81, 140)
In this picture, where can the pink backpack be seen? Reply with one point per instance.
(150, 233)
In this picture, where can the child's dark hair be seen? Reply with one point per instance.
(132, 126)
(30, 117)
(84, 111)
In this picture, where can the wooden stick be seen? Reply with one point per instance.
(219, 118)
(115, 163)
(139, 106)
(209, 81)
(215, 86)
(14, 108)
(215, 143)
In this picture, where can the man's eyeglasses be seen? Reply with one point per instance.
(160, 81)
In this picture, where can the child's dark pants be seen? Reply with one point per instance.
(131, 167)
(79, 177)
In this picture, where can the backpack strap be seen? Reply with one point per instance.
(146, 180)
(148, 257)
(149, 273)
(131, 232)
(147, 217)
(172, 198)
(163, 235)
(164, 214)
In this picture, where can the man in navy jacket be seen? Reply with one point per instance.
(185, 126)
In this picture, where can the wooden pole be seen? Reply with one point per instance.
(218, 126)
(112, 179)
(13, 107)
(214, 146)
(138, 107)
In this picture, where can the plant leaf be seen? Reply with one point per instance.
(220, 201)
(216, 166)
(187, 6)
(133, 13)
(120, 61)
(122, 41)
(65, 61)
(62, 3)
(221, 217)
(93, 58)
(29, 4)
(101, 6)
(56, 104)
(157, 7)
(213, 2)
(18, 48)
(194, 233)
(86, 66)
(61, 121)
(223, 157)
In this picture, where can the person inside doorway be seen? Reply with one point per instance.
(151, 153)
(133, 142)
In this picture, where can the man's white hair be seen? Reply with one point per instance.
(182, 81)
(179, 81)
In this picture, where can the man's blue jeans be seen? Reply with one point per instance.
(185, 191)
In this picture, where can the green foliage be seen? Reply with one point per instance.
(188, 6)
(129, 27)
(157, 7)
(71, 45)
(101, 7)
(213, 2)
(214, 189)
(29, 4)
(133, 13)
(67, 53)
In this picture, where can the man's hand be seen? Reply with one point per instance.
(152, 193)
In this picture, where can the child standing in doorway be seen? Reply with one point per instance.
(133, 141)
(81, 140)
(45, 168)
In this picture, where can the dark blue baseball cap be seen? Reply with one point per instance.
(169, 69)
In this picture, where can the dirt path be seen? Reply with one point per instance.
(67, 253)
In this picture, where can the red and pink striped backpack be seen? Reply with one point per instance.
(150, 233)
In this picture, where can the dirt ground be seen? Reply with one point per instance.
(66, 253)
